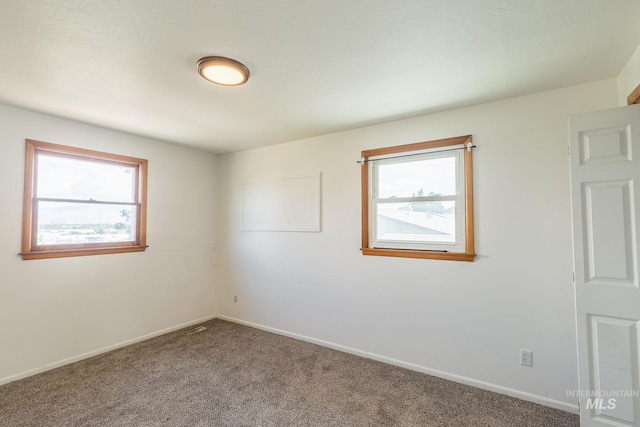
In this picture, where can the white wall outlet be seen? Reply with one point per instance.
(526, 357)
(235, 298)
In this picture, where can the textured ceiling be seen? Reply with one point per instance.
(316, 66)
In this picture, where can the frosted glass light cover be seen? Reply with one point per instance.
(223, 71)
(222, 74)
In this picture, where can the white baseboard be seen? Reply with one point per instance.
(541, 400)
(89, 354)
(552, 403)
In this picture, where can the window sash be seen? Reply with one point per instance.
(129, 241)
(135, 170)
(412, 158)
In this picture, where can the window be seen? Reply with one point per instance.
(417, 200)
(81, 202)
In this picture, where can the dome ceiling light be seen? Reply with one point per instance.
(223, 71)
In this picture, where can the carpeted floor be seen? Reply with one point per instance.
(233, 375)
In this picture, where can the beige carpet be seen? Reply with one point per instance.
(233, 375)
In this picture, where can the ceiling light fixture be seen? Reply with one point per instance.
(223, 71)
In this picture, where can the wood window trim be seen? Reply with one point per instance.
(469, 254)
(30, 251)
(634, 97)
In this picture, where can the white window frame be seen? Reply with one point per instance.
(463, 248)
(459, 244)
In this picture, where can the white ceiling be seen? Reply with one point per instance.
(317, 67)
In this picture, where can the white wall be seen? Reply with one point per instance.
(459, 320)
(56, 310)
(629, 77)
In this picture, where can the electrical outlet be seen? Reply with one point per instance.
(235, 298)
(526, 357)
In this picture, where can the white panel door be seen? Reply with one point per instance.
(605, 190)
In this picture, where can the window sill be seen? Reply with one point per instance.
(80, 252)
(407, 253)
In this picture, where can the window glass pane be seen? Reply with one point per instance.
(423, 222)
(77, 223)
(68, 178)
(426, 177)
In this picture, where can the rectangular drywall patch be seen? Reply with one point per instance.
(290, 203)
